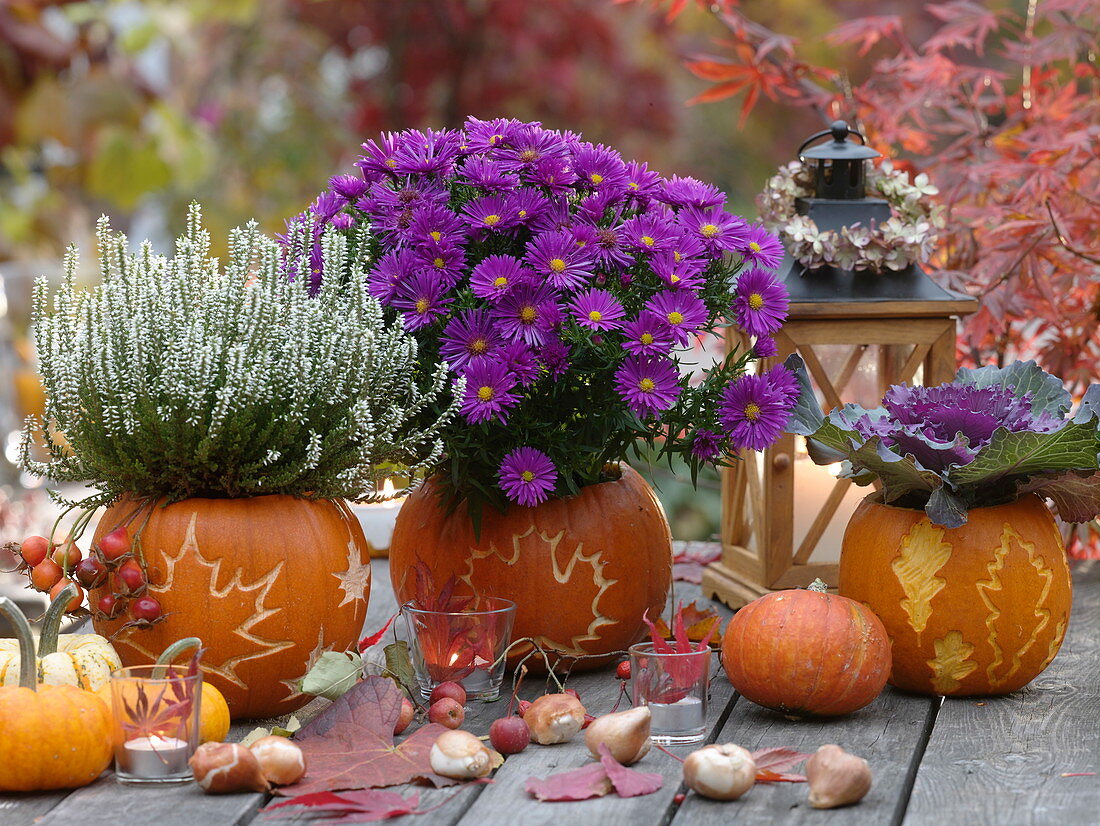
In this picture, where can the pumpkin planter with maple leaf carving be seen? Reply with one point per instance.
(980, 609)
(582, 571)
(236, 573)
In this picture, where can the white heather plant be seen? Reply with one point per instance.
(177, 378)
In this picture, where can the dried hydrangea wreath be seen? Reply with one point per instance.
(907, 237)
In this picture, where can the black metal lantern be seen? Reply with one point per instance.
(858, 332)
(840, 181)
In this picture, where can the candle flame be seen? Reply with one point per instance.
(834, 468)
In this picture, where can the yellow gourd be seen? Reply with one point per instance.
(51, 736)
(83, 660)
(213, 709)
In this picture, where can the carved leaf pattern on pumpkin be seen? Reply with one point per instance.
(239, 591)
(356, 579)
(952, 662)
(1009, 638)
(1055, 644)
(568, 561)
(923, 554)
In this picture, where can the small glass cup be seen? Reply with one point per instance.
(156, 720)
(465, 646)
(675, 687)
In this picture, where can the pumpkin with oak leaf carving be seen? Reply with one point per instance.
(980, 609)
(581, 570)
(267, 583)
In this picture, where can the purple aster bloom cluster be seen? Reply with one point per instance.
(546, 270)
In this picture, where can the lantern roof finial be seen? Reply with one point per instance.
(839, 148)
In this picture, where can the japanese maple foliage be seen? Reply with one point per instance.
(1000, 107)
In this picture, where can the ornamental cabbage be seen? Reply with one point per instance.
(987, 438)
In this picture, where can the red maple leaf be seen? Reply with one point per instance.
(580, 784)
(350, 745)
(771, 764)
(366, 806)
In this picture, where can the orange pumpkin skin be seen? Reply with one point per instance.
(581, 570)
(57, 737)
(976, 610)
(267, 583)
(805, 653)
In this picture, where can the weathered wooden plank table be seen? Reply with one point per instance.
(1000, 761)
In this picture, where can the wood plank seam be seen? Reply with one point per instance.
(935, 704)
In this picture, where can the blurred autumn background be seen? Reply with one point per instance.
(135, 108)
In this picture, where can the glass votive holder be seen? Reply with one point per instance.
(156, 723)
(675, 687)
(464, 646)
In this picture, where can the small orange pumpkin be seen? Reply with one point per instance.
(51, 736)
(268, 583)
(806, 652)
(581, 570)
(980, 609)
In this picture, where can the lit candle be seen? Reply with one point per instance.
(155, 757)
(378, 518)
(813, 484)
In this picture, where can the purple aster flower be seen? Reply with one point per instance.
(648, 385)
(391, 270)
(554, 173)
(520, 360)
(431, 152)
(444, 260)
(598, 310)
(422, 298)
(380, 155)
(483, 135)
(681, 311)
(432, 223)
(527, 205)
(556, 257)
(784, 382)
(341, 220)
(685, 274)
(528, 144)
(326, 205)
(716, 228)
(688, 248)
(489, 212)
(348, 187)
(469, 339)
(647, 335)
(486, 175)
(555, 217)
(601, 168)
(594, 205)
(706, 445)
(761, 248)
(760, 303)
(690, 192)
(554, 355)
(642, 183)
(496, 275)
(764, 347)
(527, 313)
(608, 247)
(753, 412)
(489, 392)
(651, 232)
(527, 476)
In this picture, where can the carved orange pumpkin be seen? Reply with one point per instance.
(267, 583)
(980, 609)
(581, 571)
(804, 652)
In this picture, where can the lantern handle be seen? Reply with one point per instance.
(839, 129)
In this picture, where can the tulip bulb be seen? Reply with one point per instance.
(836, 778)
(554, 718)
(459, 755)
(625, 733)
(223, 768)
(720, 772)
(281, 761)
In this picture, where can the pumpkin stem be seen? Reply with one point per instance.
(28, 668)
(51, 622)
(173, 653)
(817, 586)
